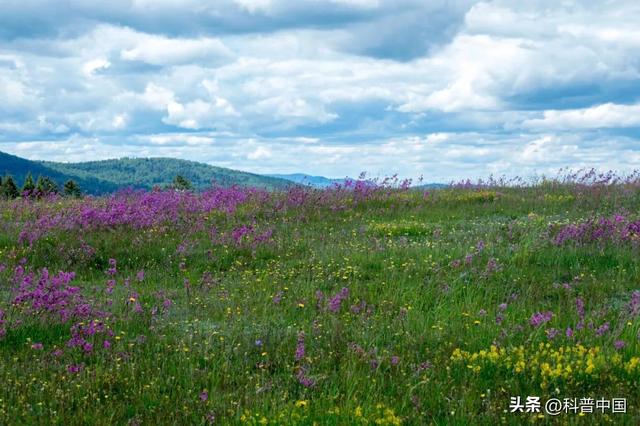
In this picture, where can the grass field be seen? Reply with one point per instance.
(361, 305)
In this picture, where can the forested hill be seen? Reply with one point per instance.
(97, 177)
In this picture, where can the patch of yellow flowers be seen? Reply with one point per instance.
(571, 364)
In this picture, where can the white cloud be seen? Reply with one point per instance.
(600, 116)
(90, 68)
(259, 153)
(157, 50)
(253, 6)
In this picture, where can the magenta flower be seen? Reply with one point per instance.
(300, 347)
(540, 318)
(37, 346)
(74, 368)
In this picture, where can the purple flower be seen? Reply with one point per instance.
(395, 360)
(424, 366)
(74, 368)
(502, 306)
(204, 395)
(106, 344)
(336, 300)
(140, 275)
(258, 343)
(304, 380)
(540, 318)
(569, 332)
(300, 347)
(634, 304)
(619, 344)
(602, 329)
(37, 346)
(552, 332)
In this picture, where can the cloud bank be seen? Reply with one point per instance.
(444, 89)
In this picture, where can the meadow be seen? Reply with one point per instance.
(368, 303)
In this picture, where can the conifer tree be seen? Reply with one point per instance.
(28, 187)
(9, 188)
(71, 189)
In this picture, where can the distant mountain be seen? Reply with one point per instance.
(432, 186)
(315, 181)
(98, 177)
(323, 182)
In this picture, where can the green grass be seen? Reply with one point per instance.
(395, 256)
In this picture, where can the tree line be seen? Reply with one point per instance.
(43, 186)
(46, 186)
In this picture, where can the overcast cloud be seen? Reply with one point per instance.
(444, 89)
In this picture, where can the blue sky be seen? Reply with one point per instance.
(444, 89)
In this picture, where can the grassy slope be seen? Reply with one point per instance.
(396, 257)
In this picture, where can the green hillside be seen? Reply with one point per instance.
(98, 177)
(18, 168)
(147, 172)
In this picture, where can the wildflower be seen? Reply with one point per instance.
(619, 344)
(569, 332)
(552, 332)
(395, 360)
(540, 318)
(106, 344)
(74, 368)
(336, 300)
(37, 346)
(304, 380)
(112, 268)
(300, 347)
(602, 329)
(580, 310)
(204, 395)
(424, 366)
(258, 343)
(634, 304)
(502, 307)
(140, 275)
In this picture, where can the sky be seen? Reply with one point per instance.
(443, 89)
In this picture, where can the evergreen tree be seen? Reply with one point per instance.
(46, 186)
(9, 188)
(28, 187)
(71, 189)
(182, 184)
